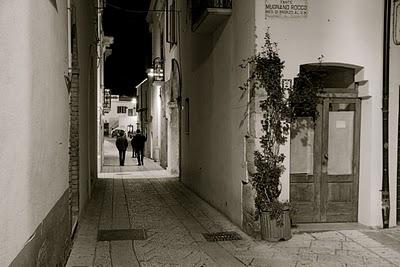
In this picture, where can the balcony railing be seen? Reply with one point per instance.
(210, 13)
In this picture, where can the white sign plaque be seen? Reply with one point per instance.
(286, 8)
(340, 124)
(286, 83)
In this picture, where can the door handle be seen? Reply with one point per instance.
(326, 156)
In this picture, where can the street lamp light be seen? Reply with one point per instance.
(157, 69)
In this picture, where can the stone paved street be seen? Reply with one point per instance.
(175, 219)
(111, 168)
(111, 160)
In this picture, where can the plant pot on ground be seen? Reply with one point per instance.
(275, 229)
(275, 215)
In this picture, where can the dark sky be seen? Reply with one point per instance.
(131, 51)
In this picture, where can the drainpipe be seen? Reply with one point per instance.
(69, 38)
(385, 116)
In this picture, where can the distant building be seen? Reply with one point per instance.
(122, 114)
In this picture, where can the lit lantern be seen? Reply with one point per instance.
(157, 69)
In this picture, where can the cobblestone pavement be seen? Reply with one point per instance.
(175, 218)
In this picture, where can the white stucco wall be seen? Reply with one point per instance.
(170, 52)
(154, 131)
(158, 25)
(346, 32)
(154, 135)
(122, 119)
(34, 117)
(393, 123)
(213, 158)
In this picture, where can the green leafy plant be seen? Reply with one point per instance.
(279, 110)
(304, 96)
(266, 75)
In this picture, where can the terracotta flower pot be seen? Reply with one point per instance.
(271, 231)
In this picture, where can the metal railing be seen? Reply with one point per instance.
(200, 6)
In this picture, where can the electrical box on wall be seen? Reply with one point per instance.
(363, 89)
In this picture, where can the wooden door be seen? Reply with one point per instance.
(305, 169)
(340, 160)
(325, 162)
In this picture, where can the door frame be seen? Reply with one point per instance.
(320, 144)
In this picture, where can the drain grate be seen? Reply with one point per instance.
(222, 236)
(121, 234)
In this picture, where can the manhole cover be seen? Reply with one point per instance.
(121, 234)
(221, 236)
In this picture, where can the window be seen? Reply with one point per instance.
(121, 109)
(171, 22)
(132, 112)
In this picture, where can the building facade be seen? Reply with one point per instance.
(122, 114)
(148, 119)
(47, 160)
(336, 176)
(341, 179)
(103, 103)
(165, 84)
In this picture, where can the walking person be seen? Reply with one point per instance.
(133, 146)
(122, 144)
(139, 139)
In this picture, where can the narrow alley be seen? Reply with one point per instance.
(267, 133)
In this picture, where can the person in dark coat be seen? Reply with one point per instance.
(122, 144)
(139, 139)
(133, 146)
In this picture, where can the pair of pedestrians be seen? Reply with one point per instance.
(137, 143)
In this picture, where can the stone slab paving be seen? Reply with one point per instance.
(111, 160)
(130, 170)
(175, 218)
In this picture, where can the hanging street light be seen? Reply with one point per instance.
(157, 69)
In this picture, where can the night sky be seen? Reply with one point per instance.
(131, 51)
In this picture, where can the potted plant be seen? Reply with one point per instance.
(280, 109)
(265, 76)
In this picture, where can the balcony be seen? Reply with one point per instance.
(207, 15)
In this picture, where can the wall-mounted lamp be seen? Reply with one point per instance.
(157, 69)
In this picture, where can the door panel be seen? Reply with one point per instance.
(340, 142)
(340, 160)
(305, 170)
(324, 181)
(340, 192)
